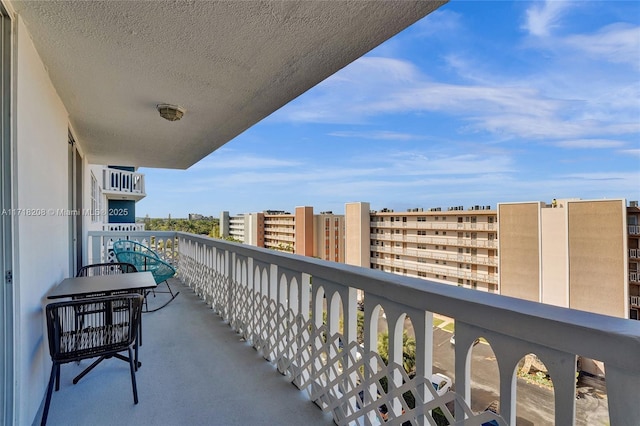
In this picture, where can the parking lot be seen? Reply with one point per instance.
(535, 403)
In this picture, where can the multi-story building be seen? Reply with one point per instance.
(452, 245)
(115, 190)
(328, 236)
(633, 229)
(571, 253)
(300, 232)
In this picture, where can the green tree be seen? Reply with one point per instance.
(408, 350)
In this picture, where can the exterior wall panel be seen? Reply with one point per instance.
(41, 182)
(519, 250)
(597, 257)
(554, 254)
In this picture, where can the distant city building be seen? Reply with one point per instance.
(450, 245)
(301, 232)
(582, 254)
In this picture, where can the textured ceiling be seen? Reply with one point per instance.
(228, 63)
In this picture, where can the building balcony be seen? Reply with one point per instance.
(123, 227)
(634, 301)
(634, 229)
(276, 302)
(634, 253)
(634, 277)
(122, 184)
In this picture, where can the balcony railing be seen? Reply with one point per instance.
(276, 302)
(123, 227)
(634, 277)
(634, 229)
(634, 300)
(123, 182)
(634, 253)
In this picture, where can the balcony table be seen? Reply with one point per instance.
(135, 282)
(105, 285)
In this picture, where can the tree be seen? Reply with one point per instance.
(408, 350)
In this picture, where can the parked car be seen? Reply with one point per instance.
(494, 407)
(441, 383)
(452, 340)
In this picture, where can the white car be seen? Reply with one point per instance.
(441, 383)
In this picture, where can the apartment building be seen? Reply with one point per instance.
(329, 236)
(300, 232)
(451, 245)
(633, 229)
(572, 253)
(114, 192)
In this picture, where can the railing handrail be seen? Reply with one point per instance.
(579, 329)
(126, 181)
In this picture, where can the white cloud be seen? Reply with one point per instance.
(589, 143)
(222, 160)
(376, 135)
(633, 152)
(616, 43)
(543, 17)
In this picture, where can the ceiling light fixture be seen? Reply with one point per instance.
(170, 112)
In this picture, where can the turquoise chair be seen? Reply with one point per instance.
(130, 245)
(145, 259)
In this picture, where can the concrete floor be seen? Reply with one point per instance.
(195, 371)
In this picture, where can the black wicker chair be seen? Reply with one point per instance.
(109, 327)
(106, 269)
(113, 268)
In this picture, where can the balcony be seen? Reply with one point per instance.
(195, 370)
(634, 253)
(122, 184)
(634, 229)
(275, 302)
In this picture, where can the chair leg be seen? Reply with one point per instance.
(55, 372)
(86, 370)
(133, 377)
(58, 378)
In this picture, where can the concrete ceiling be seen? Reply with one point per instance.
(228, 63)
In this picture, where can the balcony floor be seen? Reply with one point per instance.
(195, 370)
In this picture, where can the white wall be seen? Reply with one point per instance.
(41, 182)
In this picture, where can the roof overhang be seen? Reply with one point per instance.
(228, 63)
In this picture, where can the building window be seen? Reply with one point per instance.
(422, 218)
(422, 232)
(422, 274)
(437, 218)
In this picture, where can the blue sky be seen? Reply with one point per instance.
(478, 103)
